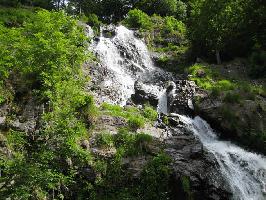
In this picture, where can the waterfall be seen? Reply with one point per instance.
(244, 171)
(124, 60)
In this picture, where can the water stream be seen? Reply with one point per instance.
(126, 60)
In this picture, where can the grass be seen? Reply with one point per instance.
(136, 122)
(232, 91)
(135, 117)
(130, 143)
(104, 140)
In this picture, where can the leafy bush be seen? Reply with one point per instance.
(172, 25)
(104, 140)
(136, 122)
(154, 178)
(138, 19)
(52, 47)
(181, 10)
(162, 7)
(130, 113)
(14, 17)
(132, 143)
(150, 113)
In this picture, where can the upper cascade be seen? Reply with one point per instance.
(125, 60)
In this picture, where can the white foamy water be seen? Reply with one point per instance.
(124, 60)
(244, 171)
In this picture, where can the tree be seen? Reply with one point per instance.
(214, 22)
(161, 7)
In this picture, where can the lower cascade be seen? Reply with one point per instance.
(126, 71)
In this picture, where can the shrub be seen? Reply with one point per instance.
(54, 43)
(185, 181)
(142, 140)
(225, 85)
(154, 178)
(172, 25)
(136, 122)
(232, 97)
(162, 7)
(132, 143)
(104, 140)
(93, 20)
(138, 19)
(181, 10)
(150, 113)
(14, 17)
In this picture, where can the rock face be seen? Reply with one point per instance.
(194, 165)
(190, 160)
(180, 95)
(241, 122)
(26, 117)
(109, 31)
(144, 94)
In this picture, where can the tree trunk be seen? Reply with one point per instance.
(218, 57)
(58, 4)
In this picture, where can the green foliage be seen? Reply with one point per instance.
(208, 79)
(136, 122)
(150, 113)
(130, 144)
(218, 25)
(162, 7)
(47, 4)
(50, 49)
(185, 181)
(173, 26)
(132, 114)
(154, 179)
(181, 10)
(13, 17)
(138, 19)
(163, 34)
(165, 120)
(104, 140)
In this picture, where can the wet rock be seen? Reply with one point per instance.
(144, 94)
(109, 31)
(192, 162)
(180, 97)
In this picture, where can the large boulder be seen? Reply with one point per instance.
(108, 31)
(180, 96)
(145, 94)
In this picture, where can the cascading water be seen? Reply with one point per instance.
(244, 171)
(125, 60)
